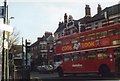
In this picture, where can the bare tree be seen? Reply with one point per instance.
(13, 39)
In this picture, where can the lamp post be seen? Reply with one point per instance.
(9, 61)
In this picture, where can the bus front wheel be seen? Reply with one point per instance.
(60, 72)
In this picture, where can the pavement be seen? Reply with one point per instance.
(37, 75)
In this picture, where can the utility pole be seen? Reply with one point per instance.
(4, 71)
(7, 54)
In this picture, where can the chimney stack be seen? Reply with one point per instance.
(59, 24)
(99, 9)
(65, 18)
(87, 11)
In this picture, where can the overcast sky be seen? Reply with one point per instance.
(33, 17)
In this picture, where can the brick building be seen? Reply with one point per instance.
(41, 50)
(109, 15)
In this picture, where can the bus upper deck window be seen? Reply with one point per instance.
(74, 40)
(117, 31)
(98, 35)
(103, 34)
(82, 38)
(88, 37)
(92, 36)
(110, 32)
(66, 42)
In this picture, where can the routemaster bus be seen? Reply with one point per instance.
(93, 51)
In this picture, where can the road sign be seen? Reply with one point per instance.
(6, 27)
(5, 44)
(2, 11)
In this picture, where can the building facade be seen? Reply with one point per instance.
(109, 15)
(41, 50)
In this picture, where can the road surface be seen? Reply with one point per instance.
(54, 77)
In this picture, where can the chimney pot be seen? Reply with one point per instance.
(87, 11)
(99, 9)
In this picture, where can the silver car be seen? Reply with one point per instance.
(45, 68)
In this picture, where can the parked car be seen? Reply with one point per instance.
(45, 68)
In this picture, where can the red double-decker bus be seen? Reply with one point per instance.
(93, 51)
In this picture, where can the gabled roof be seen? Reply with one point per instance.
(60, 27)
(84, 20)
(113, 10)
(34, 44)
(50, 39)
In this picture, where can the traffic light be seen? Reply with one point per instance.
(10, 56)
(27, 44)
(2, 11)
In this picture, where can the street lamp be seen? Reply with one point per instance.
(9, 20)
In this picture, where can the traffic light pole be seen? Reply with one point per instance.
(22, 59)
(27, 66)
(26, 51)
(22, 52)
